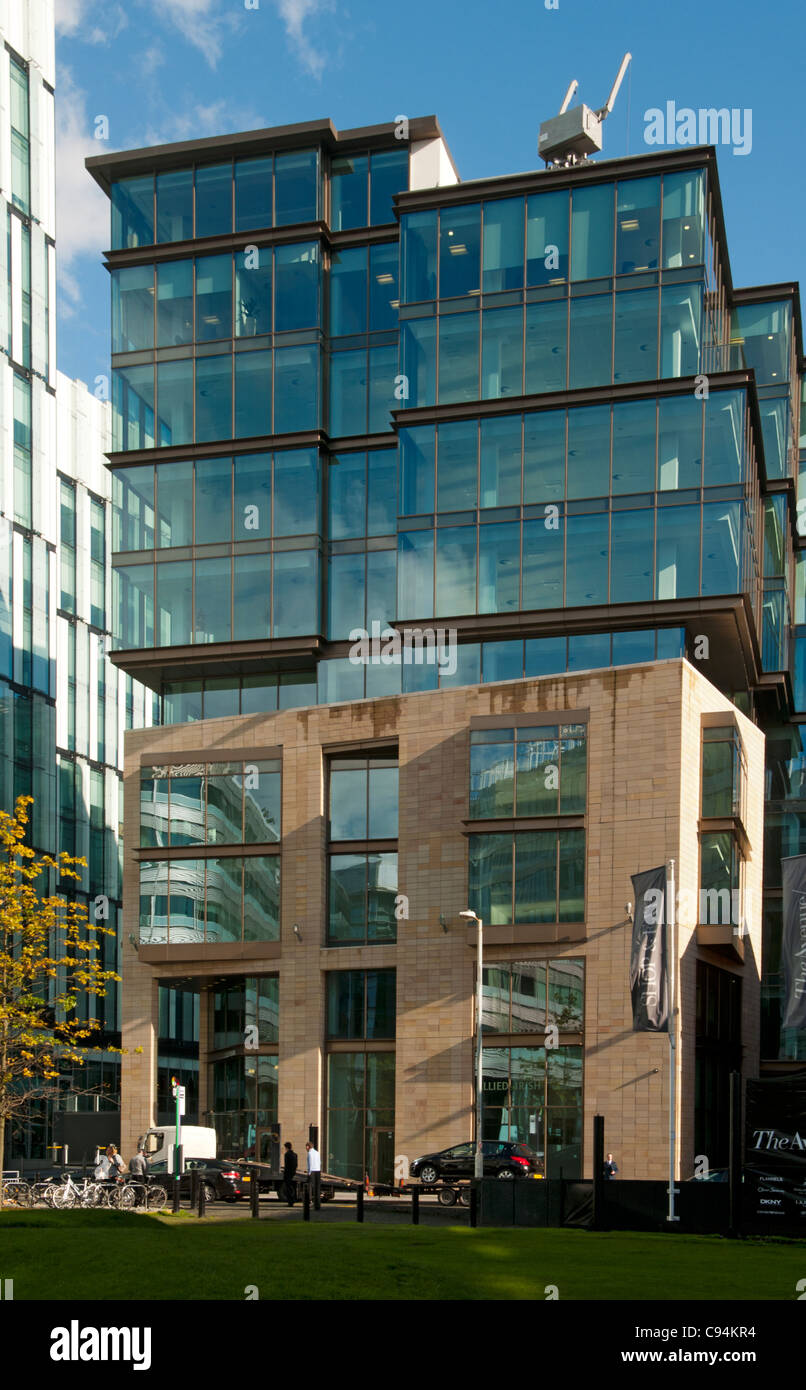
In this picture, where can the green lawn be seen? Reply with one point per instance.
(109, 1255)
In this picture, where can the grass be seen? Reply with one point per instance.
(108, 1255)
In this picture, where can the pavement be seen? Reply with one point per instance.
(377, 1211)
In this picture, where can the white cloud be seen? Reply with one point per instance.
(198, 121)
(199, 23)
(91, 21)
(295, 15)
(82, 210)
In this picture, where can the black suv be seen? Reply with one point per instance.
(223, 1181)
(501, 1160)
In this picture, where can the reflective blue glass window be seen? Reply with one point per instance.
(456, 570)
(175, 504)
(502, 267)
(723, 529)
(683, 221)
(678, 552)
(296, 286)
(214, 200)
(253, 179)
(175, 205)
(501, 352)
(586, 559)
(258, 694)
(132, 212)
(724, 437)
(133, 308)
(388, 175)
(544, 656)
(457, 465)
(213, 500)
(381, 492)
(589, 451)
(418, 350)
(213, 597)
(213, 297)
(679, 442)
(339, 680)
(468, 667)
(547, 238)
(346, 595)
(133, 605)
(588, 651)
(252, 496)
(174, 303)
(295, 593)
(252, 394)
(459, 251)
(214, 397)
(459, 358)
(381, 390)
(348, 291)
(348, 393)
(417, 470)
(634, 447)
(671, 642)
(546, 346)
(764, 331)
(347, 496)
(384, 291)
(499, 568)
(502, 661)
(296, 184)
(544, 456)
(381, 587)
(680, 328)
(631, 572)
(501, 451)
(591, 337)
(296, 389)
(175, 400)
(133, 508)
(543, 563)
(251, 598)
(415, 574)
(181, 702)
(174, 603)
(636, 352)
(638, 225)
(629, 647)
(133, 407)
(775, 435)
(419, 256)
(297, 688)
(252, 293)
(349, 192)
(296, 492)
(592, 232)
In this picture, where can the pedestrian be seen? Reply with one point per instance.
(290, 1165)
(609, 1167)
(116, 1165)
(314, 1173)
(138, 1169)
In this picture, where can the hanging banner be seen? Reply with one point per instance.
(793, 942)
(649, 973)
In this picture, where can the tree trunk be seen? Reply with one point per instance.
(2, 1154)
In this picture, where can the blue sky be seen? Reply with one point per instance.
(491, 70)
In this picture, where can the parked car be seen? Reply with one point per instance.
(501, 1160)
(223, 1181)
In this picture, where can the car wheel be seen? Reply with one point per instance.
(505, 1173)
(447, 1196)
(210, 1193)
(464, 1197)
(429, 1173)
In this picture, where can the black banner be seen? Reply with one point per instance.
(649, 973)
(775, 1150)
(793, 941)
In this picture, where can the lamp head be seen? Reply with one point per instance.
(472, 915)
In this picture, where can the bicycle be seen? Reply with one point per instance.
(16, 1193)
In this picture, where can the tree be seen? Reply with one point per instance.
(49, 958)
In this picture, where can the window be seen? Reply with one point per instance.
(363, 798)
(724, 772)
(721, 880)
(537, 771)
(20, 137)
(514, 995)
(362, 895)
(534, 876)
(211, 803)
(361, 1115)
(22, 450)
(533, 1095)
(225, 899)
(67, 538)
(361, 1004)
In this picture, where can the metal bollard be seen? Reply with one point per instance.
(175, 1197)
(415, 1206)
(359, 1204)
(202, 1198)
(306, 1202)
(194, 1187)
(255, 1196)
(474, 1204)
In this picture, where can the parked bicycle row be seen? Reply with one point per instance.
(124, 1194)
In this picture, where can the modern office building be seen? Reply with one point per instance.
(351, 392)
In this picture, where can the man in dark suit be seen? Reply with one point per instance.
(610, 1168)
(290, 1163)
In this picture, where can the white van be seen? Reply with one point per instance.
(197, 1142)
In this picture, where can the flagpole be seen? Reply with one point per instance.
(670, 967)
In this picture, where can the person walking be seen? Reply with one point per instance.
(290, 1165)
(138, 1169)
(610, 1168)
(314, 1174)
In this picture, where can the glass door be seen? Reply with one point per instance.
(381, 1154)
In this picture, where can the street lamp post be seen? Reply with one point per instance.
(479, 1166)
